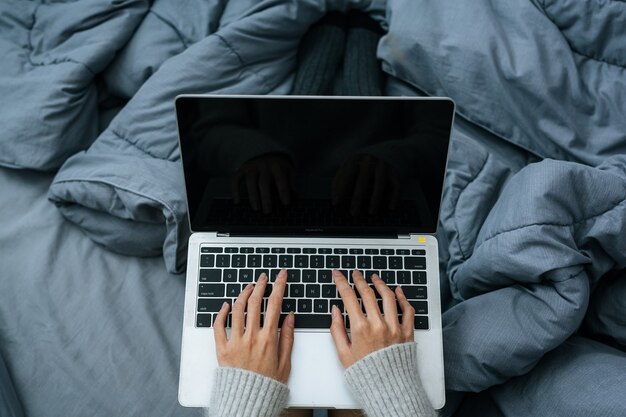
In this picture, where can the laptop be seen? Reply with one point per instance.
(311, 184)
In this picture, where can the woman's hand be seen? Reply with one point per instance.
(252, 347)
(371, 331)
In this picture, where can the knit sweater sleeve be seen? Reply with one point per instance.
(241, 393)
(386, 383)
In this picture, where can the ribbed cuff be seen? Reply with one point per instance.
(241, 393)
(386, 383)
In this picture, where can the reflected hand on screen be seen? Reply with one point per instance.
(263, 178)
(367, 184)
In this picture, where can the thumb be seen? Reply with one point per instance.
(340, 337)
(285, 346)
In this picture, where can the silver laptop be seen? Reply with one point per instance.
(311, 184)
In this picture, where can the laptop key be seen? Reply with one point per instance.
(371, 251)
(305, 305)
(246, 275)
(254, 261)
(332, 261)
(421, 307)
(340, 251)
(293, 250)
(285, 261)
(403, 252)
(324, 276)
(301, 261)
(312, 290)
(211, 290)
(203, 320)
(313, 321)
(337, 302)
(207, 261)
(379, 262)
(421, 322)
(233, 290)
(222, 261)
(415, 292)
(293, 275)
(270, 261)
(419, 277)
(210, 275)
(296, 290)
(230, 275)
(309, 250)
(368, 275)
(403, 277)
(415, 262)
(389, 277)
(395, 262)
(320, 306)
(348, 262)
(211, 304)
(355, 251)
(210, 250)
(308, 275)
(239, 261)
(231, 250)
(317, 261)
(289, 304)
(329, 291)
(258, 272)
(262, 250)
(278, 250)
(418, 252)
(268, 290)
(387, 251)
(364, 262)
(325, 251)
(246, 250)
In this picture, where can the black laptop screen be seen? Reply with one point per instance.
(314, 166)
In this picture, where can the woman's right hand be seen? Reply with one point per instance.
(373, 330)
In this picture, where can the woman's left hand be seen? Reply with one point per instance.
(253, 347)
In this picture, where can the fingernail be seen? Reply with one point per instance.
(248, 286)
(291, 318)
(263, 276)
(336, 272)
(333, 311)
(375, 276)
(224, 305)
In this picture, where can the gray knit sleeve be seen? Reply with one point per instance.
(241, 393)
(386, 383)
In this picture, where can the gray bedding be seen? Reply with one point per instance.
(532, 219)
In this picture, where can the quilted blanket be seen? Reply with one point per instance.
(534, 208)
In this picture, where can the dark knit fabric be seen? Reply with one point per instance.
(337, 56)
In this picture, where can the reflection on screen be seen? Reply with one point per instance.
(314, 166)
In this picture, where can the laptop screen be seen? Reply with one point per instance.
(289, 165)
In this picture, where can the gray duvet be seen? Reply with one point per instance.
(534, 208)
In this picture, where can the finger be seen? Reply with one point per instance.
(275, 302)
(253, 322)
(362, 186)
(408, 315)
(239, 309)
(390, 309)
(219, 327)
(282, 185)
(345, 177)
(340, 337)
(285, 345)
(378, 195)
(265, 187)
(395, 193)
(367, 295)
(234, 188)
(253, 192)
(348, 296)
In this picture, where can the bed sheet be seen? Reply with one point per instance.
(83, 331)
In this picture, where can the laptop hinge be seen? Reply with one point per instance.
(406, 236)
(223, 234)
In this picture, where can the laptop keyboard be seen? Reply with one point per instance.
(310, 291)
